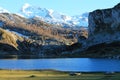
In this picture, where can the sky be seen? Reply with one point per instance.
(68, 7)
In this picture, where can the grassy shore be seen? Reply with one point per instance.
(54, 75)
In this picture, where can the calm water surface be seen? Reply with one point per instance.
(65, 64)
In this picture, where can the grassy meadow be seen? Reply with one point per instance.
(54, 75)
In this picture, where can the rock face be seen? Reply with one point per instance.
(8, 42)
(9, 38)
(104, 25)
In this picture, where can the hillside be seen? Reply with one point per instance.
(33, 27)
(103, 35)
(8, 42)
(33, 38)
(36, 38)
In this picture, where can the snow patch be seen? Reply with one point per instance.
(20, 14)
(2, 10)
(51, 11)
(19, 34)
(54, 17)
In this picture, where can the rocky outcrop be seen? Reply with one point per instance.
(104, 25)
(8, 42)
(103, 35)
(82, 36)
(10, 38)
(14, 46)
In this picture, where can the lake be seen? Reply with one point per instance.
(63, 64)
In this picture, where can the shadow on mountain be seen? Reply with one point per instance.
(48, 51)
(103, 50)
(7, 51)
(33, 50)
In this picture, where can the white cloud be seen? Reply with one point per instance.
(26, 5)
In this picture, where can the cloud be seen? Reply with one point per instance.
(25, 6)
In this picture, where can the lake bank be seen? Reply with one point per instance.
(57, 57)
(54, 75)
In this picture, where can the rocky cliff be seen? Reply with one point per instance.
(103, 34)
(104, 25)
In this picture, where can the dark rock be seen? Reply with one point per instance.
(104, 25)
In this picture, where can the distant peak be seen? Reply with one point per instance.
(117, 6)
(2, 10)
(53, 17)
(51, 11)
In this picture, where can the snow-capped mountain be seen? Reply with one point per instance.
(51, 16)
(2, 10)
(30, 11)
(54, 17)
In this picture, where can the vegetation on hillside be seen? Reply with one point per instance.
(35, 27)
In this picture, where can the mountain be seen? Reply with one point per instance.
(31, 34)
(51, 16)
(104, 25)
(34, 36)
(54, 17)
(104, 33)
(2, 10)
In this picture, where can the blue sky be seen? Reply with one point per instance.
(69, 7)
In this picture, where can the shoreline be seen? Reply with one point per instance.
(60, 71)
(38, 57)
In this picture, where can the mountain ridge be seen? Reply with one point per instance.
(54, 17)
(2, 10)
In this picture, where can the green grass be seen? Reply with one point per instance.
(53, 75)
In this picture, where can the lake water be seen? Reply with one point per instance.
(64, 64)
